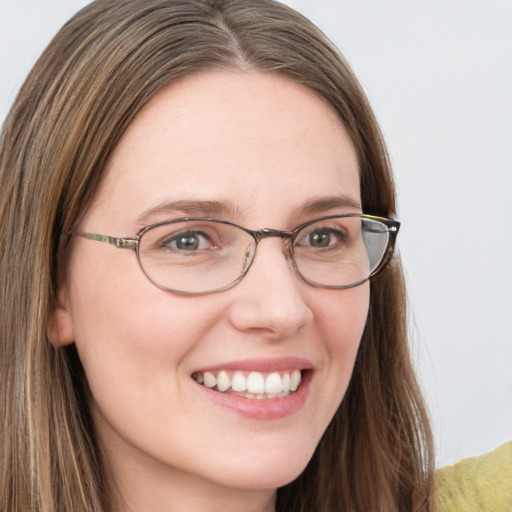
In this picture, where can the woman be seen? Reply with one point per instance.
(152, 359)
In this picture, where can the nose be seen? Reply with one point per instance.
(270, 299)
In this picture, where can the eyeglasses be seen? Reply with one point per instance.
(193, 256)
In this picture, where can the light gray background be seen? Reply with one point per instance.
(439, 75)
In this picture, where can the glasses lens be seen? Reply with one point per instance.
(340, 252)
(195, 256)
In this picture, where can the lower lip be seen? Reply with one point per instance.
(264, 409)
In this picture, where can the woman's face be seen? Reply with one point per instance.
(263, 152)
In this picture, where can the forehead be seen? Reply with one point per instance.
(252, 139)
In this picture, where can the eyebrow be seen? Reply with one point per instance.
(193, 208)
(325, 204)
(190, 208)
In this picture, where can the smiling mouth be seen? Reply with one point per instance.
(252, 385)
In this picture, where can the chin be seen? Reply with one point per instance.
(269, 473)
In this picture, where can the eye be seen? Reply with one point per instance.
(323, 237)
(320, 238)
(188, 241)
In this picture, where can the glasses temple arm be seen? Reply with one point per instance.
(123, 243)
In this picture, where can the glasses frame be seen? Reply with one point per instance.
(257, 235)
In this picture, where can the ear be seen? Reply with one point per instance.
(60, 324)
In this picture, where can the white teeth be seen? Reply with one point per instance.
(209, 380)
(223, 381)
(238, 382)
(295, 380)
(286, 382)
(273, 383)
(255, 385)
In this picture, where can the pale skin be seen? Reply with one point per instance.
(264, 148)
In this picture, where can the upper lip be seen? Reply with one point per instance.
(260, 365)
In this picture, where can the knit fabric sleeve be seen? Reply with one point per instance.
(478, 484)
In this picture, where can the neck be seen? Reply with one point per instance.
(148, 485)
(186, 494)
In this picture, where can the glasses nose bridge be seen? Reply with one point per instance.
(260, 234)
(287, 236)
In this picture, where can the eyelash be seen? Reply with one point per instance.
(340, 234)
(176, 237)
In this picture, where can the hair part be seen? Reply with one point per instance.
(99, 71)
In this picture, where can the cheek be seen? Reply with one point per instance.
(133, 332)
(126, 328)
(342, 318)
(134, 356)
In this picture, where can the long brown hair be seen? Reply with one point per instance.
(92, 80)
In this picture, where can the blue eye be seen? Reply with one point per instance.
(188, 241)
(319, 238)
(323, 237)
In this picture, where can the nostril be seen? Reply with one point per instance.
(271, 300)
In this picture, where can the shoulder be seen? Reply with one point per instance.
(477, 484)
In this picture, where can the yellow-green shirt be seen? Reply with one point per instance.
(478, 484)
